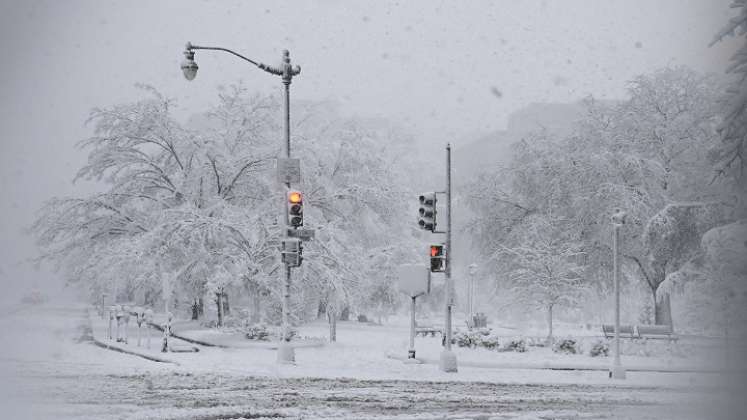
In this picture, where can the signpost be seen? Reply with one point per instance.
(414, 280)
(289, 170)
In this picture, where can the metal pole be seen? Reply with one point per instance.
(411, 352)
(471, 297)
(618, 372)
(448, 361)
(286, 354)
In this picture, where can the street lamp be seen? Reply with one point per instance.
(471, 293)
(189, 67)
(618, 220)
(286, 71)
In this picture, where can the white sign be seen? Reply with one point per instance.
(302, 234)
(289, 170)
(414, 279)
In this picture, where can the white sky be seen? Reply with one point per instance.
(432, 65)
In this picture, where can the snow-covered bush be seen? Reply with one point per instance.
(257, 332)
(475, 338)
(535, 342)
(489, 342)
(518, 345)
(465, 339)
(599, 348)
(567, 345)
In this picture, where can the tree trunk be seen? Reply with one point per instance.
(662, 310)
(332, 319)
(195, 309)
(345, 314)
(201, 306)
(219, 305)
(321, 310)
(549, 326)
(226, 308)
(255, 307)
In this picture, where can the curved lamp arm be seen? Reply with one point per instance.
(270, 69)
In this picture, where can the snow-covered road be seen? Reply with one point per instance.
(47, 374)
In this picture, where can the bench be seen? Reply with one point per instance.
(640, 331)
(424, 331)
(656, 332)
(626, 331)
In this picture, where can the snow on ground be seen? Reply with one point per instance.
(48, 374)
(362, 349)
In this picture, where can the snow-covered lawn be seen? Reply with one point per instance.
(370, 351)
(50, 374)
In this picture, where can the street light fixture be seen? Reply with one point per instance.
(286, 71)
(189, 67)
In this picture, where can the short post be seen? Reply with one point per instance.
(411, 351)
(414, 280)
(148, 321)
(166, 333)
(126, 322)
(112, 315)
(139, 320)
(119, 316)
(618, 219)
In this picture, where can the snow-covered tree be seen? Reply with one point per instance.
(198, 202)
(730, 154)
(543, 269)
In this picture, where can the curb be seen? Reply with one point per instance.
(570, 367)
(104, 345)
(187, 339)
(270, 345)
(109, 346)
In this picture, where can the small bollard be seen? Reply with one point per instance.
(110, 329)
(166, 333)
(119, 315)
(148, 320)
(139, 319)
(126, 322)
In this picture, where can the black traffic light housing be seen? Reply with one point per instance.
(295, 209)
(438, 259)
(427, 211)
(292, 252)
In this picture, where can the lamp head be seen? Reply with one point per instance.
(189, 67)
(618, 218)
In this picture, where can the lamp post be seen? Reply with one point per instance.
(618, 219)
(286, 71)
(472, 268)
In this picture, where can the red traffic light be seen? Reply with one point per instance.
(436, 250)
(295, 197)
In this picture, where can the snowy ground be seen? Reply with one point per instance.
(49, 374)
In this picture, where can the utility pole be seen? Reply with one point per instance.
(448, 360)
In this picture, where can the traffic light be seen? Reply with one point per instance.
(291, 252)
(438, 259)
(427, 211)
(295, 209)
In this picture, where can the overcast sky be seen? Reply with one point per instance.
(450, 70)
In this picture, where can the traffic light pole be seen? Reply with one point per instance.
(448, 360)
(286, 354)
